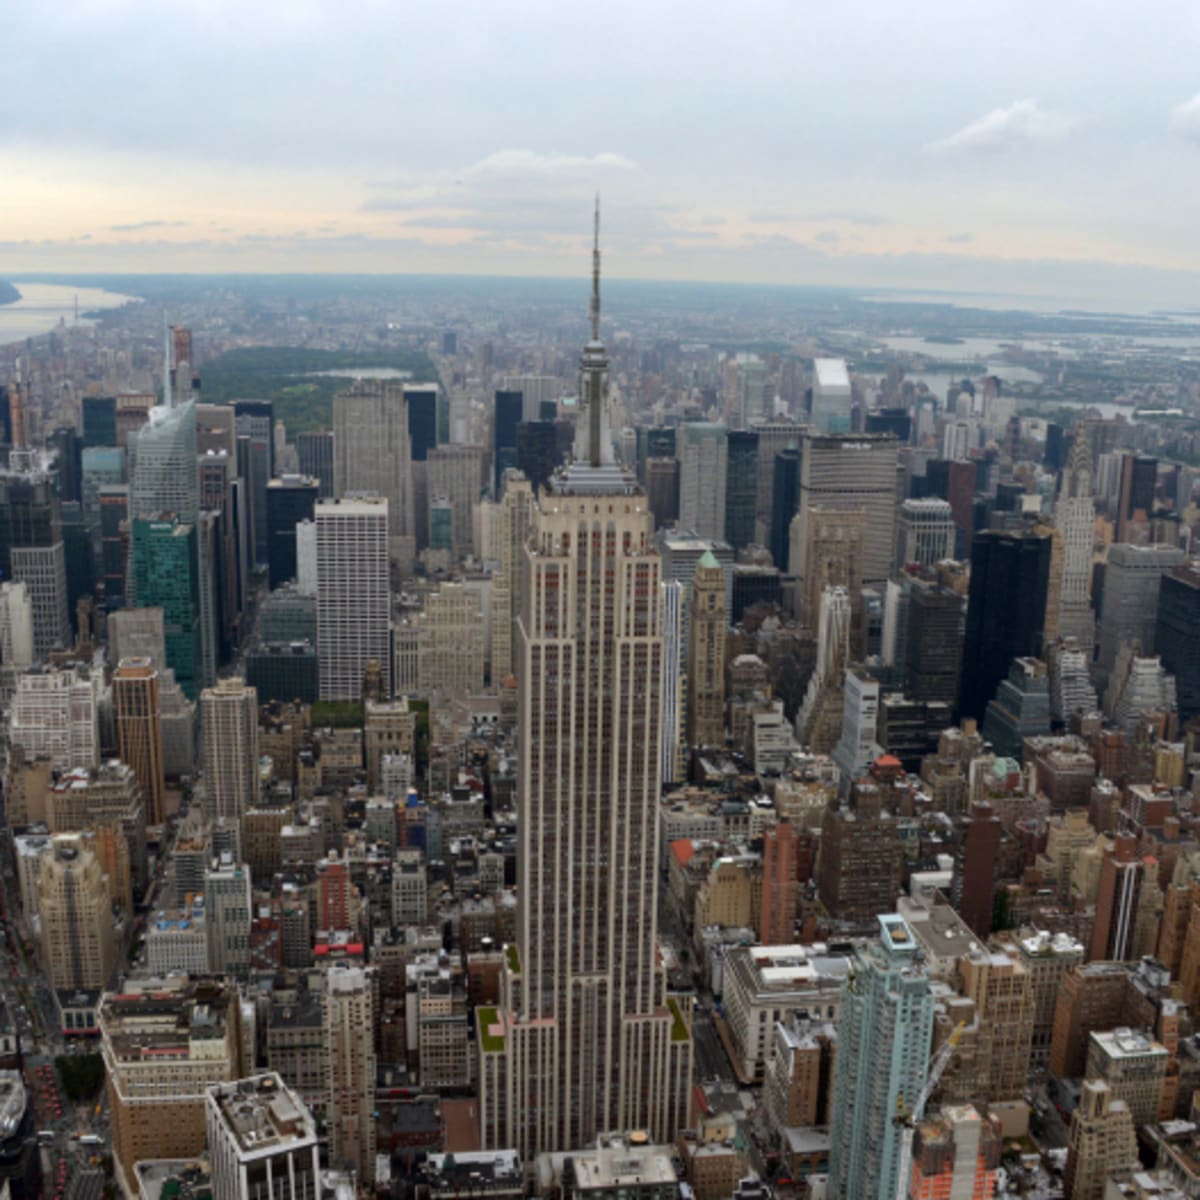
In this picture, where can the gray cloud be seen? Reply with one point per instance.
(849, 216)
(135, 226)
(1024, 123)
(960, 239)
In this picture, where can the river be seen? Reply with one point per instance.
(43, 305)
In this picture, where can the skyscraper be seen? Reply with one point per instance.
(162, 465)
(831, 396)
(350, 1069)
(314, 452)
(505, 419)
(372, 453)
(352, 594)
(229, 716)
(75, 910)
(741, 487)
(513, 517)
(1075, 516)
(262, 1141)
(1129, 600)
(290, 500)
(585, 1039)
(166, 577)
(707, 622)
(882, 1054)
(924, 532)
(1006, 610)
(852, 469)
(674, 678)
(32, 549)
(702, 476)
(139, 731)
(256, 424)
(1176, 637)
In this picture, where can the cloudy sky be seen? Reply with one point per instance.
(1040, 146)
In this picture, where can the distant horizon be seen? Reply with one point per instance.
(959, 297)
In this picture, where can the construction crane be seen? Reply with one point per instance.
(907, 1119)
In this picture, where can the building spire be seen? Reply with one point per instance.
(596, 274)
(168, 402)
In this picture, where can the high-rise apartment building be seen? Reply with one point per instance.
(1101, 1140)
(933, 642)
(702, 456)
(707, 623)
(227, 916)
(780, 885)
(352, 594)
(75, 909)
(832, 555)
(1006, 610)
(350, 1069)
(1075, 517)
(229, 718)
(584, 1039)
(262, 1141)
(372, 454)
(883, 1043)
(1135, 497)
(136, 706)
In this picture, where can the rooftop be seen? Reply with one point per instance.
(262, 1114)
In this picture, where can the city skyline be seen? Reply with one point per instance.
(862, 166)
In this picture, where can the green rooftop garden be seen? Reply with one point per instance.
(514, 958)
(491, 1042)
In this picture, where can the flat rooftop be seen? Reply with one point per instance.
(262, 1113)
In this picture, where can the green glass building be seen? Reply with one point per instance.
(164, 572)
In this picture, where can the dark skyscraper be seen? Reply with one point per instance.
(506, 416)
(1139, 477)
(1006, 610)
(537, 451)
(422, 420)
(255, 420)
(741, 487)
(1177, 636)
(289, 500)
(99, 421)
(891, 420)
(68, 451)
(785, 498)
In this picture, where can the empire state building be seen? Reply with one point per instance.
(585, 1039)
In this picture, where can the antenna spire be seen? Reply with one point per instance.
(596, 274)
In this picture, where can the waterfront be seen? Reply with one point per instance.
(43, 305)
